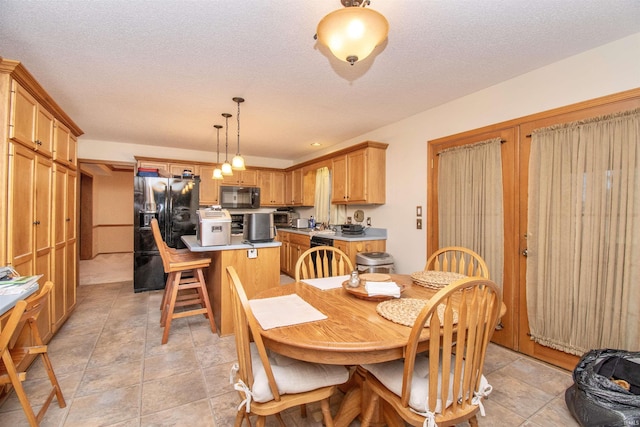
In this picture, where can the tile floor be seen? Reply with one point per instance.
(114, 371)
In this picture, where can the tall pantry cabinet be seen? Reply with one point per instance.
(38, 183)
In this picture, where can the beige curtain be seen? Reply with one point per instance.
(583, 268)
(324, 211)
(470, 210)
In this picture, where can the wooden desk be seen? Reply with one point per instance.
(353, 334)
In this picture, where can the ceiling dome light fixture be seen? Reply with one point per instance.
(226, 166)
(238, 162)
(353, 32)
(217, 172)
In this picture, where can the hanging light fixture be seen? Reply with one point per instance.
(353, 32)
(226, 166)
(217, 172)
(237, 163)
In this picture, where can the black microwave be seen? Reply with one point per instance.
(232, 197)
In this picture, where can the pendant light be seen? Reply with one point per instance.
(217, 172)
(226, 166)
(351, 33)
(238, 162)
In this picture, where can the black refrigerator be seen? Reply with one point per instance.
(173, 202)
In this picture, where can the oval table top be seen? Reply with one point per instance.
(354, 333)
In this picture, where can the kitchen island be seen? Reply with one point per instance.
(257, 265)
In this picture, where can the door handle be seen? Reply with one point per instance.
(525, 253)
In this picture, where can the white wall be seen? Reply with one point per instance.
(611, 68)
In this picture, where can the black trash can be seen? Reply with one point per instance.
(606, 389)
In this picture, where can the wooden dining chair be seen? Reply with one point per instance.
(25, 315)
(185, 286)
(457, 259)
(442, 386)
(322, 261)
(269, 383)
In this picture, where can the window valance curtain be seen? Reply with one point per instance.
(583, 268)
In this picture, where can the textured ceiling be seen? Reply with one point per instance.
(161, 72)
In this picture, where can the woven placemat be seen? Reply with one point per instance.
(404, 311)
(435, 279)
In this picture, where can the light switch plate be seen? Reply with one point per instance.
(419, 223)
(252, 253)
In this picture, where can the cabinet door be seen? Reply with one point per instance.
(209, 187)
(265, 183)
(277, 188)
(71, 258)
(162, 167)
(357, 177)
(294, 190)
(59, 244)
(24, 109)
(177, 169)
(73, 151)
(21, 221)
(44, 132)
(42, 235)
(309, 188)
(61, 144)
(339, 180)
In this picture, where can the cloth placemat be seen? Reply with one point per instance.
(326, 283)
(285, 310)
(404, 311)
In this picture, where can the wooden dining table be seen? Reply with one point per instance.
(352, 334)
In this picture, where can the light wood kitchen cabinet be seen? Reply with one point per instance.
(352, 248)
(64, 243)
(30, 123)
(293, 190)
(163, 167)
(358, 177)
(272, 188)
(29, 218)
(177, 169)
(64, 146)
(209, 187)
(298, 243)
(248, 177)
(283, 237)
(41, 140)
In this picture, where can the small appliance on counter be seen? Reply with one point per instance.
(214, 226)
(352, 229)
(258, 227)
(300, 223)
(282, 217)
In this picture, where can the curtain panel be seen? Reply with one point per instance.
(583, 237)
(470, 206)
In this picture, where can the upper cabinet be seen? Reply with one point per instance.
(358, 177)
(272, 188)
(30, 123)
(247, 177)
(209, 187)
(64, 146)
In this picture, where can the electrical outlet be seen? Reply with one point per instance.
(419, 223)
(368, 221)
(252, 253)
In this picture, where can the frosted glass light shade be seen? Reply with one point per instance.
(352, 33)
(217, 173)
(237, 163)
(226, 169)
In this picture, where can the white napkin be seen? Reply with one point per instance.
(382, 288)
(326, 283)
(285, 310)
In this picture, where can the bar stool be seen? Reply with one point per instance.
(185, 284)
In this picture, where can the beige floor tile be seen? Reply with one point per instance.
(170, 363)
(112, 376)
(105, 408)
(172, 391)
(517, 395)
(217, 380)
(194, 414)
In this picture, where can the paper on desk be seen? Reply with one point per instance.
(382, 288)
(18, 285)
(285, 310)
(327, 283)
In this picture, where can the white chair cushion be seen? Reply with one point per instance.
(292, 376)
(390, 374)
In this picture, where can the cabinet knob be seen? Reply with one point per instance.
(36, 222)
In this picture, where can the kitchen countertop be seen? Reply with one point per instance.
(236, 243)
(369, 234)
